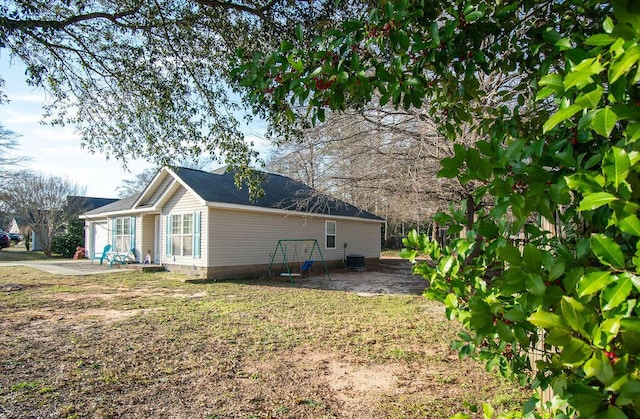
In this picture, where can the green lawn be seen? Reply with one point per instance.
(127, 344)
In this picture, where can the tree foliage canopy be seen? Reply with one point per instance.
(550, 261)
(149, 79)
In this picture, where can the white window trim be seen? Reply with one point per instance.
(335, 234)
(130, 234)
(196, 220)
(181, 236)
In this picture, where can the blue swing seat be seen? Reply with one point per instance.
(306, 266)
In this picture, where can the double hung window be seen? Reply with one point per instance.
(123, 234)
(183, 234)
(330, 234)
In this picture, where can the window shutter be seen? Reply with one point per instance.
(196, 235)
(167, 232)
(133, 233)
(113, 234)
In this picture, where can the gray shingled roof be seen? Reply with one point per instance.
(120, 205)
(281, 192)
(88, 203)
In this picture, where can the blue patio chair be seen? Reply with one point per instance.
(101, 255)
(120, 258)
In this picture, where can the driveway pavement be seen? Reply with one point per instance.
(64, 266)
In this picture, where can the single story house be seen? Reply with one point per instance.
(200, 223)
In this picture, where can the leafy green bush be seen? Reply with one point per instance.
(547, 96)
(65, 244)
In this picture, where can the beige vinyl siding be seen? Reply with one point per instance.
(183, 202)
(146, 243)
(247, 238)
(164, 185)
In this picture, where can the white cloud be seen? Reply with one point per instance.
(27, 98)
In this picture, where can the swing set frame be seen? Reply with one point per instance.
(282, 250)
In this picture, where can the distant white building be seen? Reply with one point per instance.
(13, 227)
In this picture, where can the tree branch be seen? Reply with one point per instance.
(13, 24)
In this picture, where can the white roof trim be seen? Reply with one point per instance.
(251, 208)
(238, 207)
(150, 189)
(146, 190)
(184, 185)
(130, 212)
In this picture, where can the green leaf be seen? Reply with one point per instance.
(532, 257)
(585, 399)
(576, 315)
(614, 412)
(442, 218)
(615, 295)
(632, 132)
(409, 254)
(435, 34)
(299, 32)
(607, 251)
(575, 353)
(604, 121)
(351, 25)
(504, 332)
(581, 74)
(487, 228)
(560, 116)
(572, 279)
(547, 320)
(608, 25)
(510, 254)
(544, 93)
(609, 329)
(630, 225)
(446, 264)
(515, 314)
(600, 40)
(596, 367)
(624, 63)
(296, 63)
(585, 182)
(593, 282)
(487, 411)
(552, 80)
(560, 194)
(595, 200)
(615, 166)
(473, 16)
(591, 99)
(629, 393)
(582, 247)
(535, 284)
(556, 271)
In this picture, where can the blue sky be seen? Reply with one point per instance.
(56, 150)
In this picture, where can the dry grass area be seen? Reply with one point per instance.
(128, 344)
